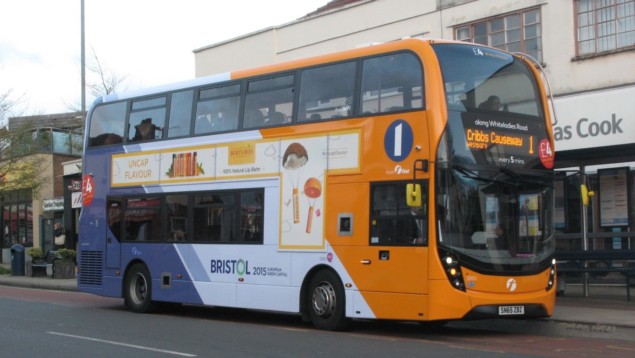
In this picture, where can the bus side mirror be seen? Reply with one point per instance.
(413, 195)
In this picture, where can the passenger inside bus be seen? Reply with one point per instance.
(493, 103)
(276, 118)
(222, 122)
(203, 124)
(145, 130)
(253, 118)
(500, 241)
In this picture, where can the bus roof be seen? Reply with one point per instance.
(370, 49)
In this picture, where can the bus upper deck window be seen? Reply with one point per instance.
(147, 119)
(392, 83)
(327, 92)
(269, 101)
(180, 114)
(107, 123)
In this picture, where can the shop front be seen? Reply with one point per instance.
(595, 151)
(16, 221)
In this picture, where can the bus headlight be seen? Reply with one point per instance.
(552, 275)
(453, 270)
(450, 261)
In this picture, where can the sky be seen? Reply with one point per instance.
(149, 42)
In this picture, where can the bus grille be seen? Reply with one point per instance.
(90, 268)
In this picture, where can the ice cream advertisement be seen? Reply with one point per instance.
(304, 168)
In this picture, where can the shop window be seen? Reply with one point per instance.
(17, 225)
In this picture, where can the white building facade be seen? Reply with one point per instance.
(587, 48)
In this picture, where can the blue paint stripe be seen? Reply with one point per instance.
(191, 261)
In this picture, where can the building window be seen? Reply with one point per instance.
(16, 222)
(516, 32)
(605, 25)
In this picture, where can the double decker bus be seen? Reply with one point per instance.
(410, 180)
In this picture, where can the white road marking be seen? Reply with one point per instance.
(122, 344)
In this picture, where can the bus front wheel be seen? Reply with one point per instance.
(138, 289)
(326, 302)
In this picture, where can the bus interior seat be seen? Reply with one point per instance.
(394, 109)
(214, 232)
(253, 118)
(276, 118)
(203, 125)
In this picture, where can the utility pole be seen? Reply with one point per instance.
(83, 64)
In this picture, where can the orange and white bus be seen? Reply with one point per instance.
(410, 180)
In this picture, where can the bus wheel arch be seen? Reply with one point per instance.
(323, 300)
(137, 288)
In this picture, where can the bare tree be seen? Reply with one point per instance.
(8, 105)
(102, 80)
(107, 80)
(5, 104)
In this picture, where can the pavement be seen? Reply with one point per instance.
(603, 310)
(37, 282)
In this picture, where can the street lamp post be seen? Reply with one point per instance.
(83, 60)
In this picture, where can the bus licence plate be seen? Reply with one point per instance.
(511, 310)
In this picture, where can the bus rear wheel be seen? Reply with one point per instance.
(326, 302)
(138, 290)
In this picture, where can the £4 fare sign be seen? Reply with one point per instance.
(546, 153)
(88, 190)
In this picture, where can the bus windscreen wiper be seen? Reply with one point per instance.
(470, 174)
(523, 179)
